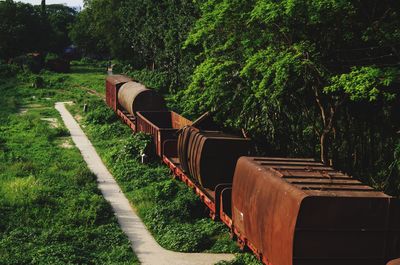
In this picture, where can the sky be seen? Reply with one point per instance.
(49, 2)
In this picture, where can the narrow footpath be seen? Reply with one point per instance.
(146, 248)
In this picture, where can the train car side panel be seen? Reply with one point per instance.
(113, 84)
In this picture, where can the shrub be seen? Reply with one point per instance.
(8, 70)
(50, 57)
(30, 62)
(100, 115)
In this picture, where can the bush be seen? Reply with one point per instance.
(99, 115)
(30, 62)
(50, 57)
(38, 81)
(87, 60)
(137, 145)
(8, 70)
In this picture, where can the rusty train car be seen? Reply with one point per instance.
(287, 211)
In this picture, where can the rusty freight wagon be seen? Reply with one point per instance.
(206, 161)
(113, 84)
(163, 126)
(211, 156)
(126, 97)
(288, 211)
(301, 212)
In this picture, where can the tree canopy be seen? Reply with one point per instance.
(316, 78)
(25, 28)
(303, 77)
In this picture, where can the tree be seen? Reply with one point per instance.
(25, 28)
(60, 19)
(155, 31)
(292, 72)
(20, 26)
(97, 28)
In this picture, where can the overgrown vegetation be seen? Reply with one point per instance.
(145, 34)
(172, 212)
(303, 78)
(51, 211)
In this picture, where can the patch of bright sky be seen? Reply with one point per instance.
(72, 3)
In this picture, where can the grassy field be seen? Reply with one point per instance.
(51, 211)
(170, 210)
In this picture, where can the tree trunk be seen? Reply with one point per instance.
(327, 111)
(323, 140)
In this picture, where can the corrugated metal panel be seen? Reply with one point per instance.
(183, 141)
(299, 211)
(210, 156)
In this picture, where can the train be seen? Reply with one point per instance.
(287, 211)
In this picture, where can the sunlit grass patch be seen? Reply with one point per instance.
(51, 211)
(20, 191)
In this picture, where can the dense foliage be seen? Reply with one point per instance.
(303, 78)
(96, 29)
(315, 78)
(25, 28)
(145, 34)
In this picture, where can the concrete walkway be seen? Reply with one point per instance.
(146, 248)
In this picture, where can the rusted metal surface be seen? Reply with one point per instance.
(210, 156)
(204, 122)
(113, 84)
(206, 196)
(225, 206)
(183, 141)
(394, 262)
(169, 148)
(162, 125)
(127, 118)
(217, 156)
(133, 97)
(300, 212)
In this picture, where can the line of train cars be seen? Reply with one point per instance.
(288, 211)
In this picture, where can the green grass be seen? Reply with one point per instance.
(51, 211)
(171, 211)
